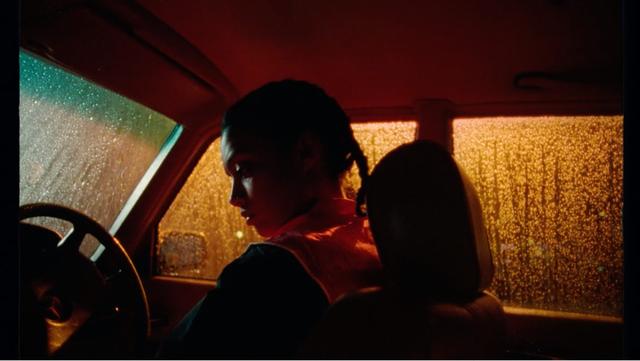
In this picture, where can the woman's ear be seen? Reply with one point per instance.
(308, 153)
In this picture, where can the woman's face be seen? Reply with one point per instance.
(267, 185)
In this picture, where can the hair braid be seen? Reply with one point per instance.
(363, 171)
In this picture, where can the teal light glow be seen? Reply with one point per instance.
(85, 147)
(43, 83)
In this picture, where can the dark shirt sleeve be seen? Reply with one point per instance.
(263, 307)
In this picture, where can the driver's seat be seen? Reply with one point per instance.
(427, 223)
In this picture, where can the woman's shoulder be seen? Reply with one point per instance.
(265, 265)
(260, 255)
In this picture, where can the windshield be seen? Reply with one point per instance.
(83, 146)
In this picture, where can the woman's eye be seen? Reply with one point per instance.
(243, 170)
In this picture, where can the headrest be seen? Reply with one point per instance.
(426, 220)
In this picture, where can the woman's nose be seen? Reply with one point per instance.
(238, 194)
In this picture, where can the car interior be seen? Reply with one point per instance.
(499, 124)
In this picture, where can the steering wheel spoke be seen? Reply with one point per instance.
(73, 239)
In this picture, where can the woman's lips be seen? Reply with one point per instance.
(247, 216)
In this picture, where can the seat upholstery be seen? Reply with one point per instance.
(427, 223)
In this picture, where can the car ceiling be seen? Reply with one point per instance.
(190, 59)
(391, 53)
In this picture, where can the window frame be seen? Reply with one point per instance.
(434, 119)
(435, 116)
(528, 328)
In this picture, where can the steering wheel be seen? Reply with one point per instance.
(72, 306)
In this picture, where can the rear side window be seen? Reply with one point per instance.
(83, 146)
(201, 232)
(551, 192)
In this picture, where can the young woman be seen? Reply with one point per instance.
(286, 147)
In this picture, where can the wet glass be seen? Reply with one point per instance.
(551, 193)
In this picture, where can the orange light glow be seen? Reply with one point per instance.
(201, 233)
(551, 191)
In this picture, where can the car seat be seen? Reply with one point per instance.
(427, 223)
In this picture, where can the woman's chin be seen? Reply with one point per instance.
(264, 231)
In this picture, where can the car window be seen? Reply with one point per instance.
(201, 232)
(551, 192)
(81, 145)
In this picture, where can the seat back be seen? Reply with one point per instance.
(378, 323)
(427, 223)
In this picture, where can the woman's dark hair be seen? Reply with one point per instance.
(284, 110)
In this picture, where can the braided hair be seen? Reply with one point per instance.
(284, 110)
